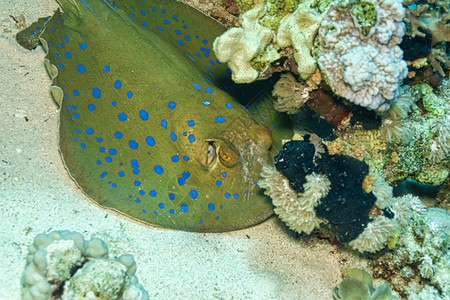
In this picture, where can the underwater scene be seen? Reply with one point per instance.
(235, 149)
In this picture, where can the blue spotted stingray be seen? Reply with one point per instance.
(148, 127)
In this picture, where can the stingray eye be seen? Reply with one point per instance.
(228, 155)
(208, 154)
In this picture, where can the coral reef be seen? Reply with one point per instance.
(290, 94)
(419, 266)
(63, 264)
(357, 284)
(391, 152)
(363, 63)
(270, 31)
(299, 30)
(305, 190)
(239, 46)
(432, 17)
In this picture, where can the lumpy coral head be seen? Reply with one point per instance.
(358, 51)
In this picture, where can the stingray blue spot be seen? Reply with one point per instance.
(108, 159)
(190, 57)
(186, 175)
(61, 45)
(224, 174)
(227, 195)
(98, 162)
(181, 181)
(106, 69)
(160, 28)
(184, 133)
(161, 205)
(112, 151)
(141, 192)
(83, 145)
(198, 54)
(118, 84)
(228, 105)
(68, 54)
(220, 119)
(83, 46)
(185, 157)
(122, 116)
(66, 96)
(235, 195)
(171, 211)
(191, 138)
(211, 62)
(76, 115)
(143, 114)
(153, 193)
(99, 139)
(89, 131)
(173, 136)
(184, 207)
(171, 196)
(164, 123)
(150, 141)
(81, 68)
(211, 206)
(134, 163)
(57, 55)
(193, 194)
(133, 144)
(158, 169)
(121, 173)
(142, 11)
(206, 103)
(191, 123)
(197, 86)
(200, 222)
(91, 107)
(167, 22)
(137, 183)
(96, 92)
(205, 41)
(61, 65)
(77, 131)
(132, 15)
(104, 173)
(187, 38)
(33, 32)
(145, 24)
(102, 149)
(163, 11)
(178, 31)
(218, 182)
(209, 90)
(172, 105)
(118, 134)
(114, 103)
(137, 200)
(114, 185)
(129, 94)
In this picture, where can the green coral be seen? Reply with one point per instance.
(357, 284)
(277, 10)
(365, 15)
(245, 5)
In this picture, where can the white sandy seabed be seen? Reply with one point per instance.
(37, 195)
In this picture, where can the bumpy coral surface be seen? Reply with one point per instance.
(64, 265)
(359, 57)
